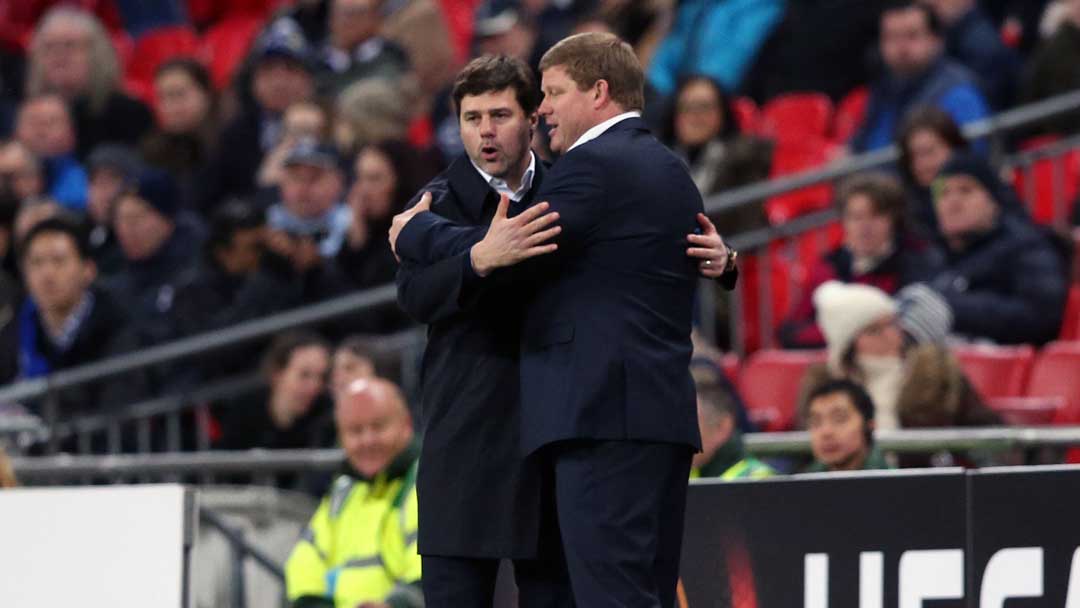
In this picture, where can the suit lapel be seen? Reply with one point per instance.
(469, 188)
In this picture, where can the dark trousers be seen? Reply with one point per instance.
(620, 507)
(543, 582)
(459, 582)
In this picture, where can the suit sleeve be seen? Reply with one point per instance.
(574, 189)
(436, 291)
(429, 238)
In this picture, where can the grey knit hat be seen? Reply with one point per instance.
(924, 314)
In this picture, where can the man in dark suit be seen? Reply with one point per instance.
(607, 401)
(479, 498)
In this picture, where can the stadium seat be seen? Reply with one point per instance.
(459, 20)
(793, 157)
(1070, 326)
(1050, 185)
(225, 45)
(786, 271)
(154, 48)
(747, 115)
(996, 371)
(849, 115)
(770, 382)
(1027, 411)
(1057, 372)
(815, 243)
(794, 116)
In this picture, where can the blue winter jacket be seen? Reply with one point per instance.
(716, 38)
(946, 84)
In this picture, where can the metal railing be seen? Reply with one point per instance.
(264, 463)
(200, 344)
(156, 424)
(242, 550)
(48, 387)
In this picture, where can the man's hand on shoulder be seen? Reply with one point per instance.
(709, 247)
(401, 219)
(512, 240)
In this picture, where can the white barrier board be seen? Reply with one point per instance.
(115, 546)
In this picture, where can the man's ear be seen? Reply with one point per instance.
(601, 94)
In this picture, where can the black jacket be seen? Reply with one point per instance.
(10, 296)
(122, 120)
(148, 287)
(232, 168)
(1008, 285)
(478, 497)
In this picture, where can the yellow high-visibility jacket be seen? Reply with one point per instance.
(360, 545)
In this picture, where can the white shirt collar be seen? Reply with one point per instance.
(599, 129)
(500, 185)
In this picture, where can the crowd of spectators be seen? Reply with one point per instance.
(134, 213)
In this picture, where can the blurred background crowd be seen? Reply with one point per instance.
(174, 168)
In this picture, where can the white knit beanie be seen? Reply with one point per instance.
(846, 309)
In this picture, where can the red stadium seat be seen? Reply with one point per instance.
(1070, 327)
(747, 115)
(850, 114)
(1027, 411)
(459, 20)
(225, 45)
(793, 116)
(786, 271)
(997, 371)
(1056, 373)
(1049, 186)
(793, 157)
(769, 383)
